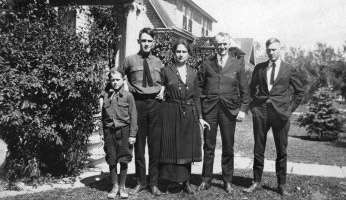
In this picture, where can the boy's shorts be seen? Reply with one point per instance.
(117, 145)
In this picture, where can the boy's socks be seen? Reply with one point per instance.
(123, 174)
(113, 173)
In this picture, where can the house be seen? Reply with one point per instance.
(183, 18)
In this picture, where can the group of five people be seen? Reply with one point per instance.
(168, 106)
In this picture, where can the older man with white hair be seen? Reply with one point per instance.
(225, 99)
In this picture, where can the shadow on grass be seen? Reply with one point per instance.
(309, 138)
(102, 182)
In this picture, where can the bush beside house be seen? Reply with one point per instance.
(49, 91)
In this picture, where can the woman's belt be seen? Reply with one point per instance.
(183, 104)
(188, 102)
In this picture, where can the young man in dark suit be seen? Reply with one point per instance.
(225, 99)
(272, 106)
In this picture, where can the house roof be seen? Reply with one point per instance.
(200, 10)
(166, 19)
(161, 12)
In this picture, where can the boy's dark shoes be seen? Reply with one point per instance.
(228, 187)
(155, 191)
(137, 189)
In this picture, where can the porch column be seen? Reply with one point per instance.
(129, 25)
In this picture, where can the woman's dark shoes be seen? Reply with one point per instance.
(188, 188)
(253, 187)
(228, 187)
(204, 186)
(155, 191)
(137, 189)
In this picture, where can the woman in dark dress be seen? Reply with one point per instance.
(181, 136)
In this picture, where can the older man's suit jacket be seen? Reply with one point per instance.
(280, 95)
(227, 85)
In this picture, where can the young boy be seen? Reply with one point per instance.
(119, 120)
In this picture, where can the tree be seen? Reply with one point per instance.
(322, 67)
(322, 120)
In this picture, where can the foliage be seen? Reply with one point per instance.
(103, 36)
(49, 91)
(165, 41)
(203, 49)
(322, 120)
(162, 48)
(322, 67)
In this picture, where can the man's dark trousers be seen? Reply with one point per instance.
(219, 116)
(149, 125)
(264, 118)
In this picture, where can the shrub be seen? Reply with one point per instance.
(322, 120)
(48, 92)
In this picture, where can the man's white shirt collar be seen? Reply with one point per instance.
(224, 59)
(277, 63)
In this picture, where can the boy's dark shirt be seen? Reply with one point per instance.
(119, 110)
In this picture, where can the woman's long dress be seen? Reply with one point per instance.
(181, 136)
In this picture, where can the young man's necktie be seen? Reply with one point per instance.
(146, 74)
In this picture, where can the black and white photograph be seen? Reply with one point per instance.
(173, 99)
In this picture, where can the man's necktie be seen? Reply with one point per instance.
(221, 62)
(272, 75)
(146, 74)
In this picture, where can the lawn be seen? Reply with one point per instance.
(300, 148)
(300, 187)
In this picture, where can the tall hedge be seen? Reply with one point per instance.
(49, 85)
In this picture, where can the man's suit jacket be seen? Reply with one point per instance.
(227, 85)
(280, 95)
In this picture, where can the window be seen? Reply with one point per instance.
(190, 25)
(187, 19)
(209, 25)
(184, 22)
(202, 34)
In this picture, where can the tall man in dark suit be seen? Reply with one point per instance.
(272, 105)
(143, 74)
(225, 99)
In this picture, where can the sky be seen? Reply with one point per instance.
(296, 23)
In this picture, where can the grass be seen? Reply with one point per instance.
(300, 187)
(300, 148)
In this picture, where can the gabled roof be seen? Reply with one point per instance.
(166, 19)
(200, 10)
(161, 12)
